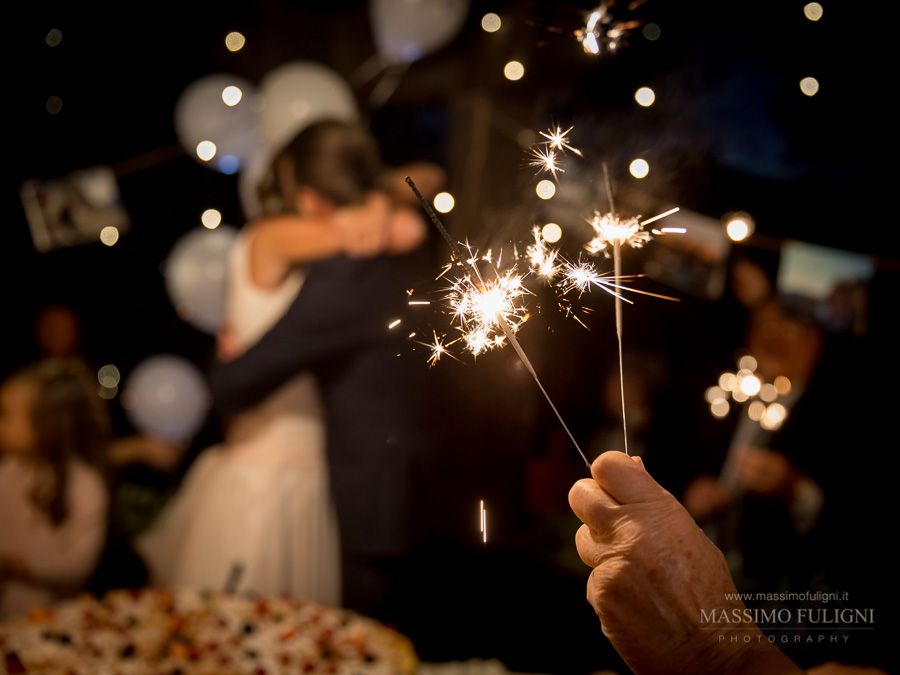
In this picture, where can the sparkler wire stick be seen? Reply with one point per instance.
(457, 254)
(617, 271)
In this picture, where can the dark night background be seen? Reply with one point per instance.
(730, 130)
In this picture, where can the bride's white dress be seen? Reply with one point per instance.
(261, 501)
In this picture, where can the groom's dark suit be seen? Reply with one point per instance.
(338, 328)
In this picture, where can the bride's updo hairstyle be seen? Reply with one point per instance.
(339, 160)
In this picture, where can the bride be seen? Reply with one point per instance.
(255, 513)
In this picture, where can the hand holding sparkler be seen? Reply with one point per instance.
(633, 530)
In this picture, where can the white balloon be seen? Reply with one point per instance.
(167, 396)
(407, 30)
(248, 185)
(298, 93)
(196, 276)
(201, 114)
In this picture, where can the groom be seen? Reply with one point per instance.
(338, 328)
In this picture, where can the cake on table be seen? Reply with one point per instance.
(158, 632)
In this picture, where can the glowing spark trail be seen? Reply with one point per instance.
(545, 160)
(542, 259)
(498, 317)
(557, 140)
(663, 215)
(483, 514)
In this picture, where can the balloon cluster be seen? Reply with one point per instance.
(228, 124)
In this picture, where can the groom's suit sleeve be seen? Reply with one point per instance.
(344, 303)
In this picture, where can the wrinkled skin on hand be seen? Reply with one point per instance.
(653, 572)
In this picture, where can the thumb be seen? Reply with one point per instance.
(625, 478)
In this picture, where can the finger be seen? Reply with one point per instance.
(592, 504)
(589, 546)
(623, 478)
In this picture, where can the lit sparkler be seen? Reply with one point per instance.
(499, 317)
(484, 308)
(612, 232)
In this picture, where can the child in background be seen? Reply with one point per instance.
(54, 497)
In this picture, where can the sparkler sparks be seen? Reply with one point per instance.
(557, 140)
(601, 31)
(483, 308)
(545, 158)
(498, 315)
(542, 258)
(610, 230)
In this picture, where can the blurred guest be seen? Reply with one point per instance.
(53, 493)
(768, 493)
(57, 332)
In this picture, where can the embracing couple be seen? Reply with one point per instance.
(310, 494)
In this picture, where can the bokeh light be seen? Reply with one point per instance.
(768, 393)
(756, 410)
(714, 394)
(545, 189)
(720, 408)
(747, 362)
(551, 232)
(232, 95)
(526, 138)
(206, 150)
(774, 416)
(490, 22)
(651, 32)
(444, 202)
(109, 235)
(728, 381)
(108, 376)
(813, 11)
(750, 385)
(53, 37)
(514, 70)
(739, 226)
(639, 168)
(53, 105)
(234, 41)
(229, 164)
(211, 219)
(782, 385)
(809, 86)
(107, 393)
(645, 96)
